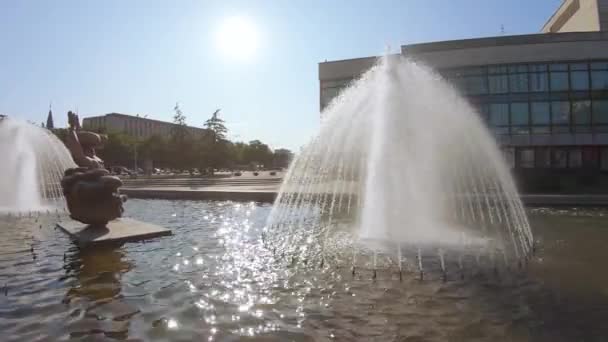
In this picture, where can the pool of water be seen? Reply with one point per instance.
(213, 280)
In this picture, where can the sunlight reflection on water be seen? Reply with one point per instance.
(214, 280)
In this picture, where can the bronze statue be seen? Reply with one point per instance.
(91, 193)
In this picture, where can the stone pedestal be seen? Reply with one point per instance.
(116, 231)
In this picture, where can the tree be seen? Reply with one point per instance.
(281, 158)
(155, 148)
(49, 120)
(215, 148)
(118, 150)
(217, 126)
(258, 153)
(181, 143)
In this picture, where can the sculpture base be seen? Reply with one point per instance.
(116, 231)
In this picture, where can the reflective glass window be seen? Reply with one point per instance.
(498, 84)
(518, 83)
(540, 113)
(558, 67)
(497, 69)
(559, 158)
(559, 81)
(509, 155)
(579, 80)
(474, 85)
(537, 67)
(575, 158)
(543, 157)
(520, 117)
(518, 68)
(526, 157)
(600, 112)
(560, 112)
(599, 79)
(581, 115)
(578, 66)
(499, 114)
(604, 158)
(590, 157)
(539, 81)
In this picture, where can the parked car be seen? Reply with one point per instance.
(273, 173)
(255, 173)
(238, 173)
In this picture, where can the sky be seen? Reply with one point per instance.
(255, 60)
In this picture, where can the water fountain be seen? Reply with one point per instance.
(402, 171)
(33, 163)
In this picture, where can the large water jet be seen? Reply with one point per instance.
(33, 163)
(403, 166)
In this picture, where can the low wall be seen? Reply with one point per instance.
(532, 200)
(256, 196)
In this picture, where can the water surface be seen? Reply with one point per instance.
(212, 280)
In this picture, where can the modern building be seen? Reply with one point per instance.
(545, 96)
(135, 126)
(578, 16)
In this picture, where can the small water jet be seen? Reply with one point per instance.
(34, 160)
(400, 158)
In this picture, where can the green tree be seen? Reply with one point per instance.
(181, 143)
(118, 150)
(258, 153)
(216, 125)
(155, 148)
(215, 148)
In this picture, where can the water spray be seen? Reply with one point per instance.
(442, 263)
(419, 256)
(400, 262)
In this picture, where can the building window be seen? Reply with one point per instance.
(327, 95)
(520, 116)
(559, 158)
(575, 158)
(484, 111)
(599, 76)
(525, 157)
(543, 157)
(600, 115)
(590, 157)
(499, 117)
(518, 78)
(559, 77)
(474, 85)
(539, 79)
(509, 155)
(560, 116)
(540, 117)
(498, 80)
(579, 76)
(604, 158)
(581, 116)
(498, 84)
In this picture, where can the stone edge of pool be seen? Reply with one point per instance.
(533, 200)
(232, 195)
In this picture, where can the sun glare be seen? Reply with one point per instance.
(237, 37)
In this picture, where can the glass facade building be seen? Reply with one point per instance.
(552, 98)
(543, 96)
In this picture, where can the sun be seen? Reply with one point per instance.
(237, 37)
